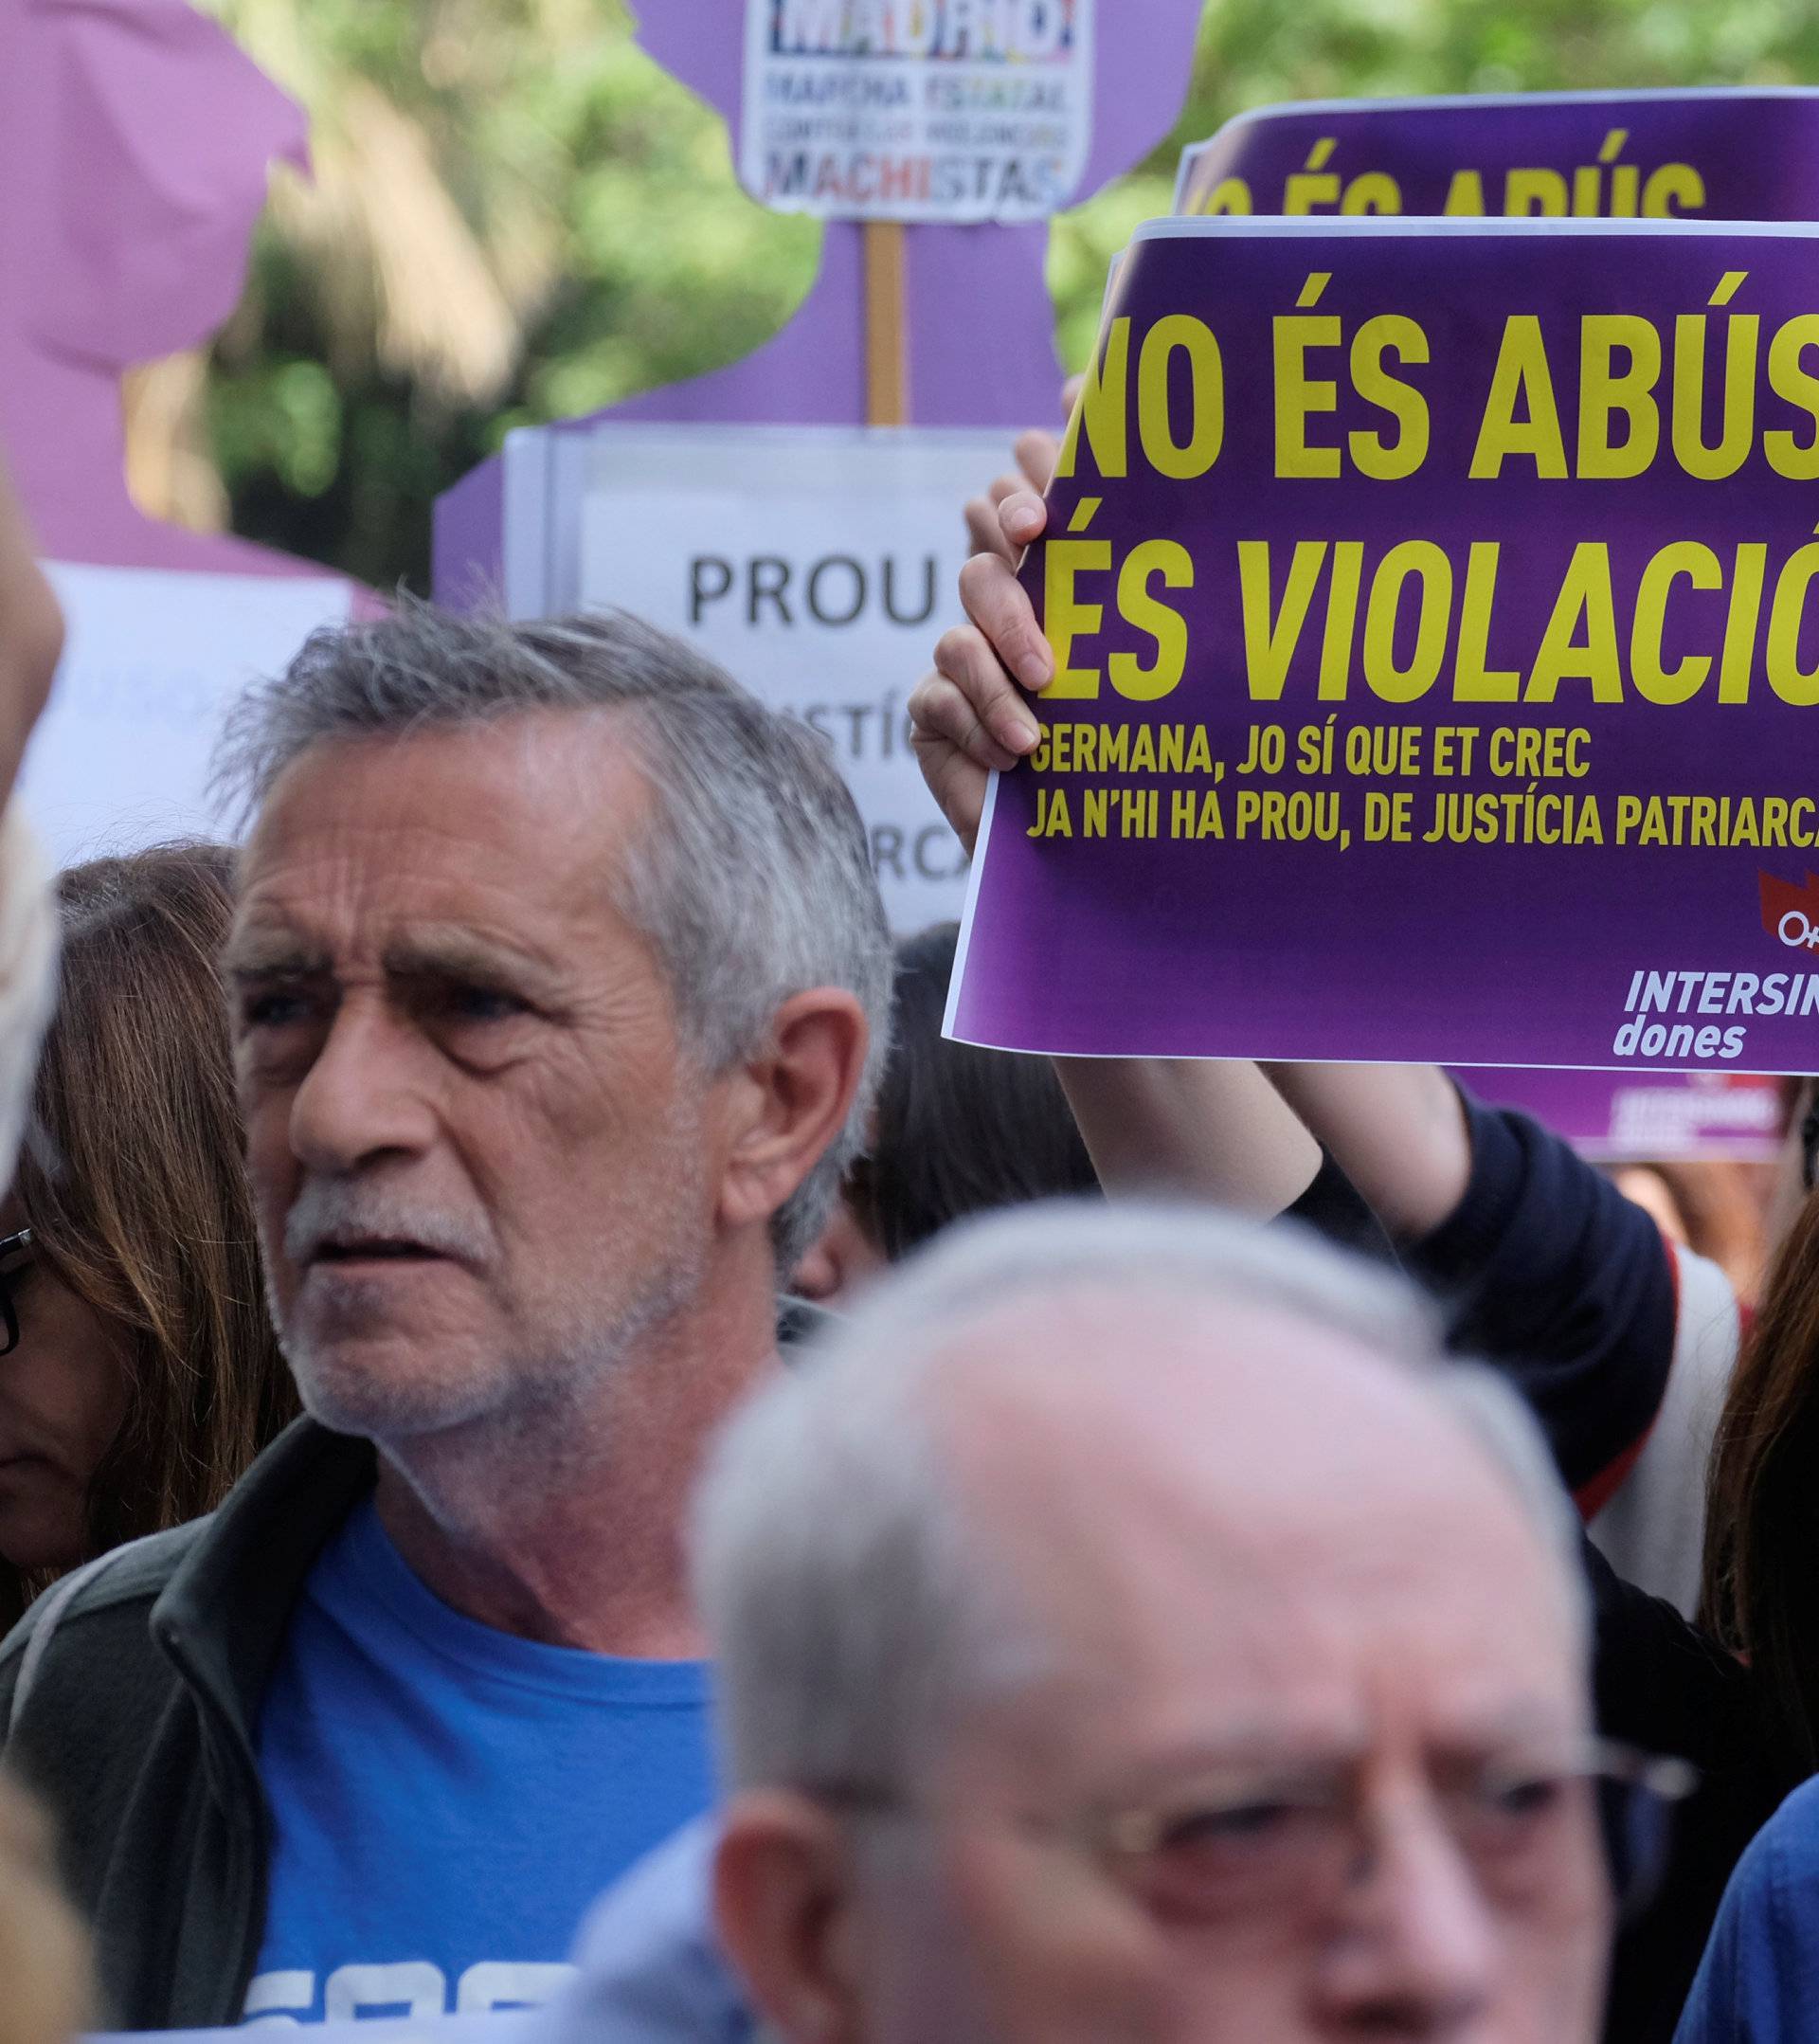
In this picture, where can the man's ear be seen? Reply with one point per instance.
(784, 1911)
(792, 1100)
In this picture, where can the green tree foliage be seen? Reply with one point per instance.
(518, 217)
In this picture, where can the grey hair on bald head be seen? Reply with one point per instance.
(850, 1603)
(753, 880)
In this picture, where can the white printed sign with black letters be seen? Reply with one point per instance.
(917, 110)
(819, 565)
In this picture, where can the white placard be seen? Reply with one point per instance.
(932, 110)
(817, 565)
(152, 660)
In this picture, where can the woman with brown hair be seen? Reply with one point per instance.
(1762, 1553)
(1761, 1564)
(138, 1372)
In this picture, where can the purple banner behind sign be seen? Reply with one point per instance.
(1635, 1118)
(1438, 658)
(1727, 154)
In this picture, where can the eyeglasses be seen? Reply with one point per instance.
(11, 1247)
(1259, 1843)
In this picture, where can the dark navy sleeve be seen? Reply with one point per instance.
(1549, 1274)
(1332, 1207)
(1758, 1982)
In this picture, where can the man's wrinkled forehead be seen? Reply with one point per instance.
(534, 811)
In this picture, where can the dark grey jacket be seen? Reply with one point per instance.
(134, 1723)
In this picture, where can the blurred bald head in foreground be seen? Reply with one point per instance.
(1130, 1627)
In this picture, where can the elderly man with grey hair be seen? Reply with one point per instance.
(558, 987)
(1131, 1627)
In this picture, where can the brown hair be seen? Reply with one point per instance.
(134, 1186)
(1761, 1585)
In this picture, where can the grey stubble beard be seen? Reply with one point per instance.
(563, 1394)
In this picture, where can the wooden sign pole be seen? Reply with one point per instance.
(887, 359)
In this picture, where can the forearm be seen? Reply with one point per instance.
(31, 635)
(1397, 1131)
(1193, 1128)
(28, 975)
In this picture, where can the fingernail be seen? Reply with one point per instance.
(1036, 666)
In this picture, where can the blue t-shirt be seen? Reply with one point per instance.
(1758, 1982)
(449, 1800)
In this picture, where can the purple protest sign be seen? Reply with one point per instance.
(135, 138)
(1438, 658)
(1723, 154)
(1731, 154)
(979, 321)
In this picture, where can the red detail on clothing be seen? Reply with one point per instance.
(1594, 1495)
